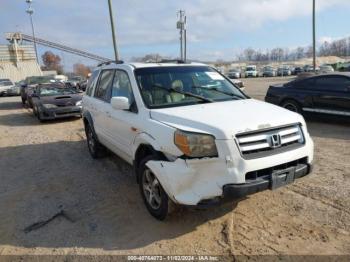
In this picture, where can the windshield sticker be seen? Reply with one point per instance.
(215, 76)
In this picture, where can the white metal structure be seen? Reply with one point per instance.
(193, 154)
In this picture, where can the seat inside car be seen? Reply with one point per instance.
(176, 97)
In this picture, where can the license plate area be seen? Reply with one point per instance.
(281, 178)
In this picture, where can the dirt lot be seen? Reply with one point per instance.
(94, 207)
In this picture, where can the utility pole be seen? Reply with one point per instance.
(314, 33)
(181, 25)
(116, 54)
(30, 11)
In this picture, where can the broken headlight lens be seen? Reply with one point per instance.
(195, 144)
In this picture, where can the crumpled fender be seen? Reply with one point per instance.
(187, 183)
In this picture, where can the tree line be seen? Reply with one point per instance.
(339, 48)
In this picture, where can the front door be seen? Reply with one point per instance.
(122, 125)
(333, 94)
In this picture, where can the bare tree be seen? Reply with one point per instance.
(249, 54)
(148, 58)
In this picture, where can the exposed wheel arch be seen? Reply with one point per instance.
(294, 105)
(143, 151)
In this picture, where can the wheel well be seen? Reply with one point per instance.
(142, 151)
(289, 99)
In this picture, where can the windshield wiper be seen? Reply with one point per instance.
(171, 89)
(219, 91)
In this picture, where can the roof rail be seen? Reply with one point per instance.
(118, 62)
(178, 61)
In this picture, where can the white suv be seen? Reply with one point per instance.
(192, 136)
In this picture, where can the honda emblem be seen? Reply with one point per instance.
(275, 140)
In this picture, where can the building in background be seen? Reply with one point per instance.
(18, 61)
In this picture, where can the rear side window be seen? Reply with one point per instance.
(332, 83)
(305, 84)
(92, 82)
(104, 87)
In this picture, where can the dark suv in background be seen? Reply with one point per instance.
(325, 94)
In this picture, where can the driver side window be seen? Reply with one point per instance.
(122, 87)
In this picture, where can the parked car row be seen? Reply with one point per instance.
(270, 71)
(8, 88)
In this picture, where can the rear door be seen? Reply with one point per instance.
(100, 105)
(332, 94)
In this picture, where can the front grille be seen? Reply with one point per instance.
(67, 113)
(270, 141)
(268, 171)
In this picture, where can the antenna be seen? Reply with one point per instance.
(181, 25)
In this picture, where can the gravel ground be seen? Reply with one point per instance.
(56, 200)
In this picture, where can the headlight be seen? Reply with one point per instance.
(48, 106)
(79, 103)
(195, 145)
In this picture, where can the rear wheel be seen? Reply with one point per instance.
(35, 110)
(95, 148)
(291, 106)
(153, 194)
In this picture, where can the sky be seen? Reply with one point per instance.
(216, 29)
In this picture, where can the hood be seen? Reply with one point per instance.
(61, 100)
(226, 119)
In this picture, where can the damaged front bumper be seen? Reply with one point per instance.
(60, 112)
(206, 181)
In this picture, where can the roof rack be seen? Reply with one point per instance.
(118, 62)
(178, 61)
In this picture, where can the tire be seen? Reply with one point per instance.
(158, 205)
(291, 105)
(35, 110)
(38, 115)
(96, 149)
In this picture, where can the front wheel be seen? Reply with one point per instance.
(291, 106)
(153, 194)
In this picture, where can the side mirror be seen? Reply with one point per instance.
(120, 103)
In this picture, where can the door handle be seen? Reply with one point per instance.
(108, 114)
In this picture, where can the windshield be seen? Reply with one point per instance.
(56, 91)
(184, 85)
(75, 78)
(250, 68)
(38, 80)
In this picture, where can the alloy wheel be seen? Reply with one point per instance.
(151, 189)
